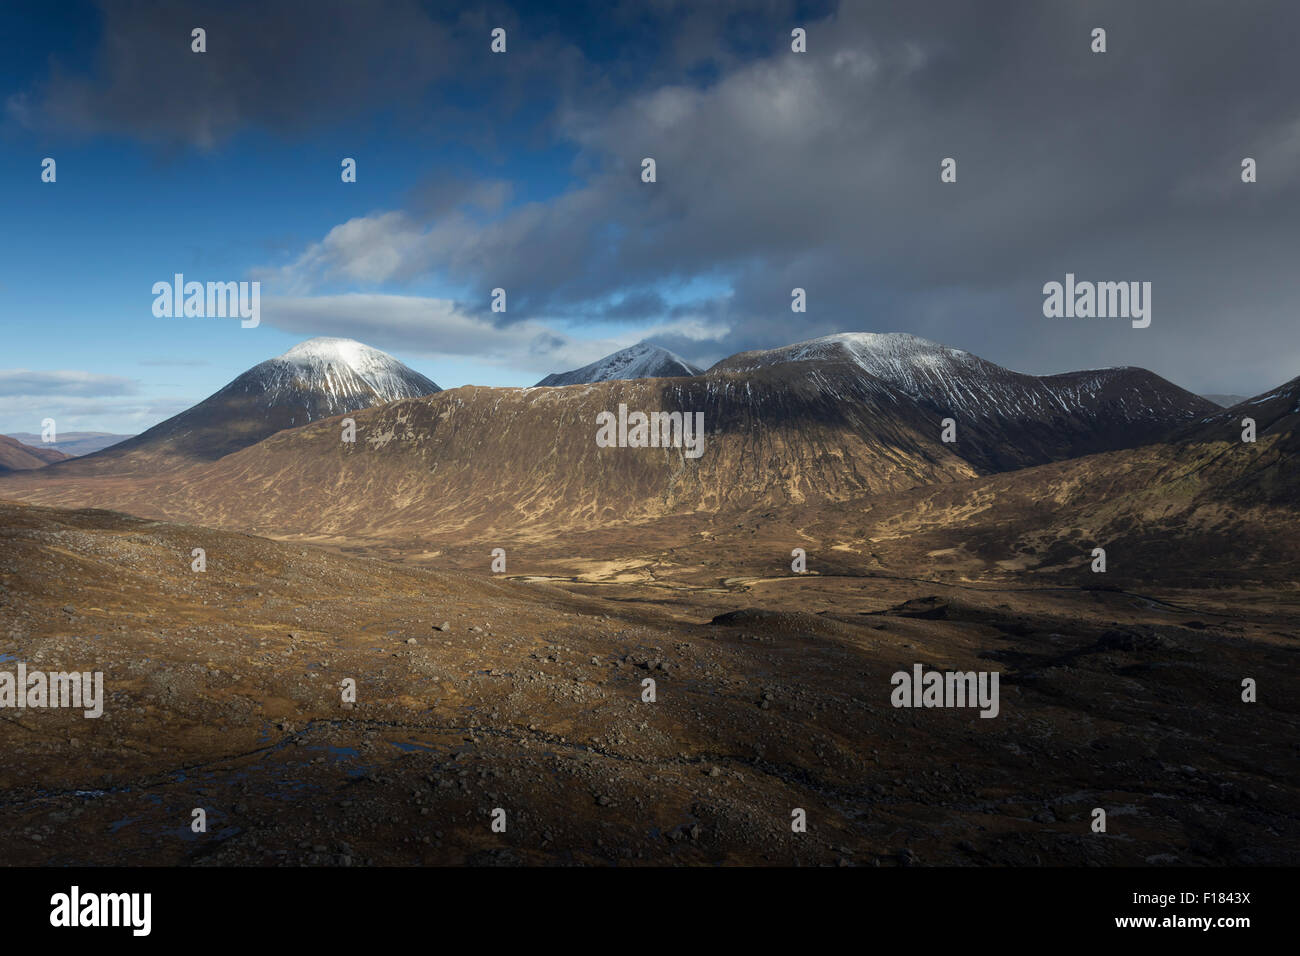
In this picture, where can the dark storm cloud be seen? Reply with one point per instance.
(822, 173)
(443, 192)
(282, 65)
(290, 65)
(638, 307)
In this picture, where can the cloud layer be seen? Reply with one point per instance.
(779, 170)
(436, 328)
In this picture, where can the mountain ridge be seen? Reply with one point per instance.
(816, 428)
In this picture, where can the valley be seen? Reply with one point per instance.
(477, 692)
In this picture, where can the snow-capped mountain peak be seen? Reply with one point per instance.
(876, 352)
(642, 360)
(316, 379)
(893, 356)
(908, 363)
(326, 349)
(346, 371)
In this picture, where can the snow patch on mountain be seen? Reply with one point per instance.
(951, 380)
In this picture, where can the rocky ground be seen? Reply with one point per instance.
(523, 692)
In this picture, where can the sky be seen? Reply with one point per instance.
(522, 170)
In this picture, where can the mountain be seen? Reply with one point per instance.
(1226, 401)
(1005, 419)
(961, 384)
(17, 456)
(315, 379)
(636, 361)
(74, 444)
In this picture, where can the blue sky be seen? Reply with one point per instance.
(129, 213)
(130, 208)
(521, 170)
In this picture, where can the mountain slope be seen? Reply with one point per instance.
(16, 456)
(1189, 514)
(1275, 412)
(493, 459)
(960, 383)
(1004, 419)
(313, 380)
(637, 361)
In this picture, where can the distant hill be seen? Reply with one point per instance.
(1227, 401)
(74, 444)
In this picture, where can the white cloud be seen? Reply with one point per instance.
(437, 328)
(364, 249)
(21, 381)
(119, 415)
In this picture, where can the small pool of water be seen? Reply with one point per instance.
(411, 746)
